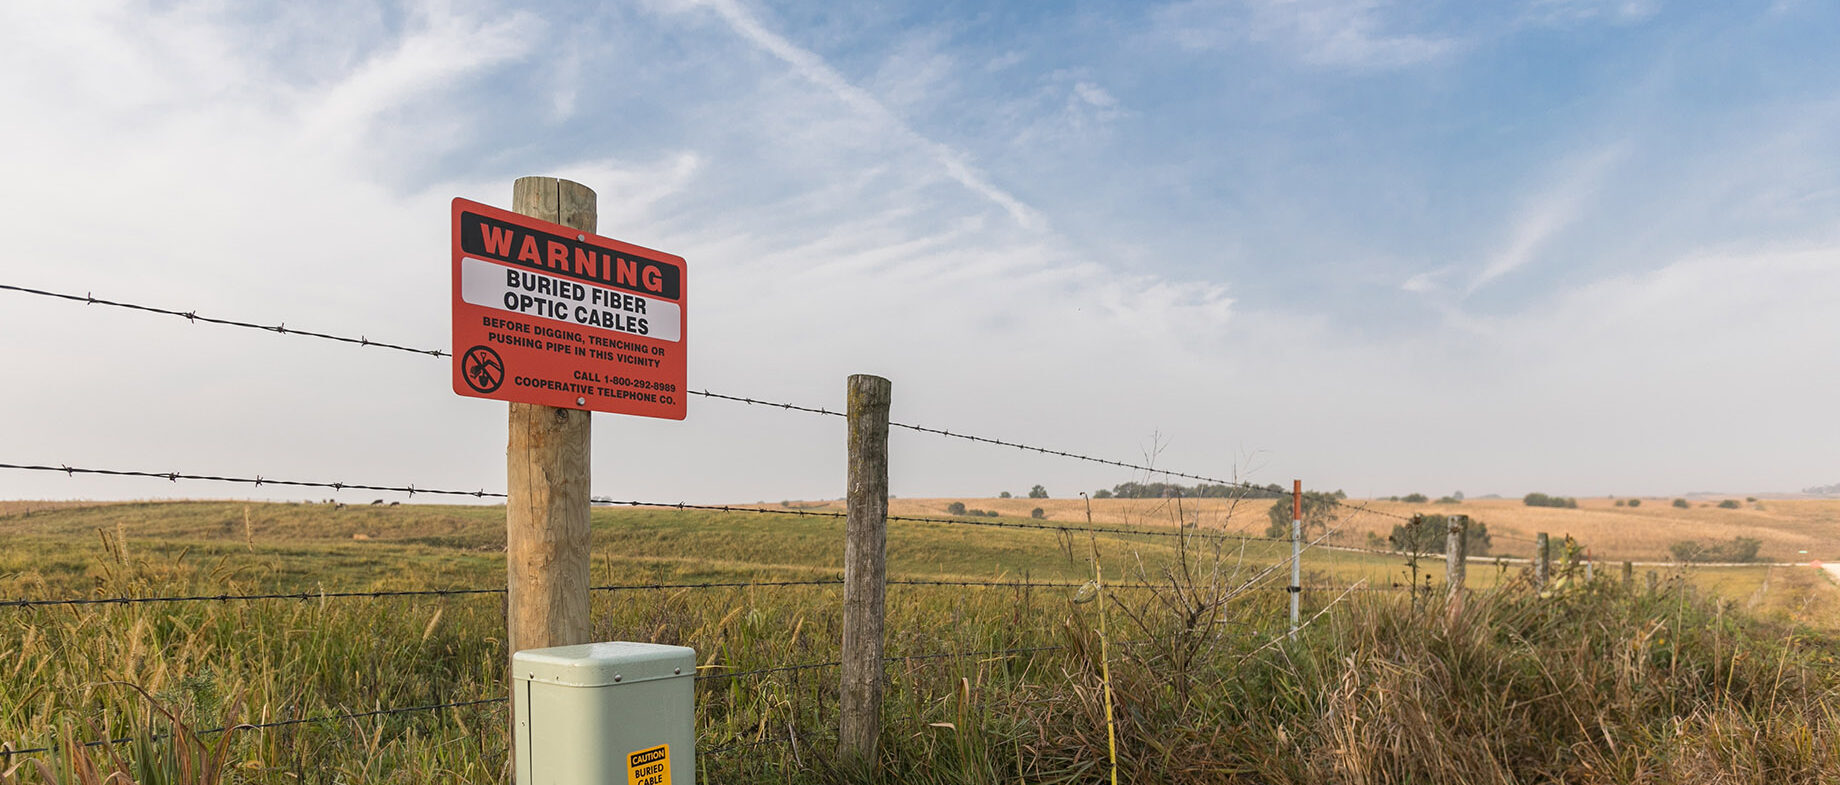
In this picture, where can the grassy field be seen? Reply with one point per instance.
(1610, 532)
(80, 672)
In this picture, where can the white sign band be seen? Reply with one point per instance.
(531, 293)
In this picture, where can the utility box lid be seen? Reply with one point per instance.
(603, 664)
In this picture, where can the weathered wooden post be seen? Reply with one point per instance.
(1456, 552)
(1542, 559)
(546, 468)
(1654, 580)
(546, 508)
(865, 570)
(1629, 575)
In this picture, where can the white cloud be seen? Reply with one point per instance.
(1548, 214)
(812, 67)
(422, 66)
(1350, 34)
(825, 238)
(1571, 12)
(863, 259)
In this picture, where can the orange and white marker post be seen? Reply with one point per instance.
(1296, 552)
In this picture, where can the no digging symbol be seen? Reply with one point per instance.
(483, 369)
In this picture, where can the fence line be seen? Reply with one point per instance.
(329, 595)
(257, 481)
(281, 328)
(7, 752)
(326, 595)
(411, 490)
(1224, 591)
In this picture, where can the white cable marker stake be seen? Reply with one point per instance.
(1296, 552)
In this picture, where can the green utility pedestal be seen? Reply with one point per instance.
(605, 714)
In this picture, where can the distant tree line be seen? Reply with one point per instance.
(1835, 488)
(1542, 500)
(1166, 490)
(1419, 498)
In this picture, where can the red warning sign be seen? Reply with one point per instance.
(550, 315)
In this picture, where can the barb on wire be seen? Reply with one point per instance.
(4, 753)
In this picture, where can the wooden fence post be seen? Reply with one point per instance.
(1653, 580)
(1456, 552)
(546, 461)
(1629, 575)
(1296, 587)
(1542, 559)
(865, 570)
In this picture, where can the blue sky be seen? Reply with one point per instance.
(1559, 245)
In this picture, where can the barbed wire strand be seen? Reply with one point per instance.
(4, 753)
(281, 328)
(317, 595)
(257, 481)
(411, 490)
(328, 595)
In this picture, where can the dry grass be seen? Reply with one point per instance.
(1611, 533)
(1598, 683)
(1643, 533)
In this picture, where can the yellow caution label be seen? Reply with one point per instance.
(651, 766)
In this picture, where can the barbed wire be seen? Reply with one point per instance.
(281, 328)
(256, 481)
(77, 601)
(742, 745)
(703, 677)
(411, 490)
(317, 595)
(1366, 508)
(769, 404)
(1062, 527)
(7, 753)
(193, 316)
(1235, 484)
(326, 595)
